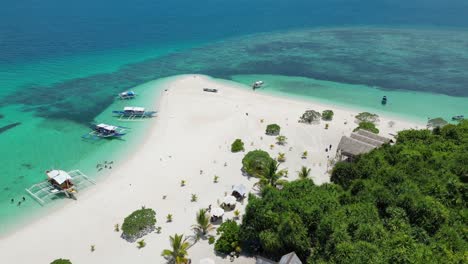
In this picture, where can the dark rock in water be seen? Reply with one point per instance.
(1, 116)
(6, 188)
(8, 127)
(100, 169)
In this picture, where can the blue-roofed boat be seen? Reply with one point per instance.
(105, 131)
(133, 113)
(127, 95)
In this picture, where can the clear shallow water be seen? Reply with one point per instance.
(61, 64)
(410, 105)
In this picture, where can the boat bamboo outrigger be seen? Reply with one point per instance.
(134, 113)
(59, 182)
(105, 131)
(127, 95)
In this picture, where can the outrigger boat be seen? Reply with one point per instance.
(458, 118)
(105, 131)
(134, 113)
(257, 84)
(58, 182)
(127, 95)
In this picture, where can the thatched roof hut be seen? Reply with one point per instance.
(358, 143)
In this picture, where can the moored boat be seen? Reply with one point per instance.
(127, 95)
(384, 100)
(458, 118)
(257, 84)
(105, 131)
(131, 113)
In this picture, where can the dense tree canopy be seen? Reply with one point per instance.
(237, 145)
(256, 163)
(405, 203)
(369, 126)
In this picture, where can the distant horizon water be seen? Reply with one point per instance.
(61, 65)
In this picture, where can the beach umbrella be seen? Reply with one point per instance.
(218, 212)
(207, 261)
(230, 200)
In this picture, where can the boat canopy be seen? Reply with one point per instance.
(59, 176)
(128, 93)
(106, 127)
(134, 109)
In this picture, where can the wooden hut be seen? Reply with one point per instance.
(358, 143)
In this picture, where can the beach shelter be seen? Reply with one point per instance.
(207, 261)
(230, 200)
(239, 191)
(290, 258)
(217, 212)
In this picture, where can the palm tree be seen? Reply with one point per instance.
(203, 225)
(178, 253)
(272, 176)
(303, 173)
(281, 140)
(281, 157)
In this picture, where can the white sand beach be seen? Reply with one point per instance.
(192, 132)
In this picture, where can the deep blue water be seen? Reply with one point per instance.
(38, 29)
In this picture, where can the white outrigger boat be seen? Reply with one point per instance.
(257, 84)
(58, 182)
(127, 95)
(134, 114)
(105, 131)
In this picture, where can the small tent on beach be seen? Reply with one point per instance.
(239, 191)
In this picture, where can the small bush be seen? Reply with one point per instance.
(367, 117)
(211, 240)
(369, 126)
(93, 248)
(327, 115)
(216, 179)
(194, 198)
(273, 129)
(310, 116)
(141, 244)
(326, 126)
(169, 218)
(229, 239)
(256, 163)
(117, 228)
(61, 261)
(138, 223)
(237, 145)
(281, 140)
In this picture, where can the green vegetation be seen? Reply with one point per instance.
(369, 126)
(229, 240)
(178, 252)
(216, 179)
(304, 155)
(281, 140)
(203, 225)
(139, 222)
(169, 218)
(367, 117)
(211, 240)
(92, 248)
(256, 162)
(327, 115)
(310, 116)
(405, 203)
(194, 198)
(61, 261)
(271, 177)
(273, 129)
(303, 173)
(281, 157)
(237, 145)
(141, 244)
(117, 228)
(182, 183)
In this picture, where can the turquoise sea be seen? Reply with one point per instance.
(61, 65)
